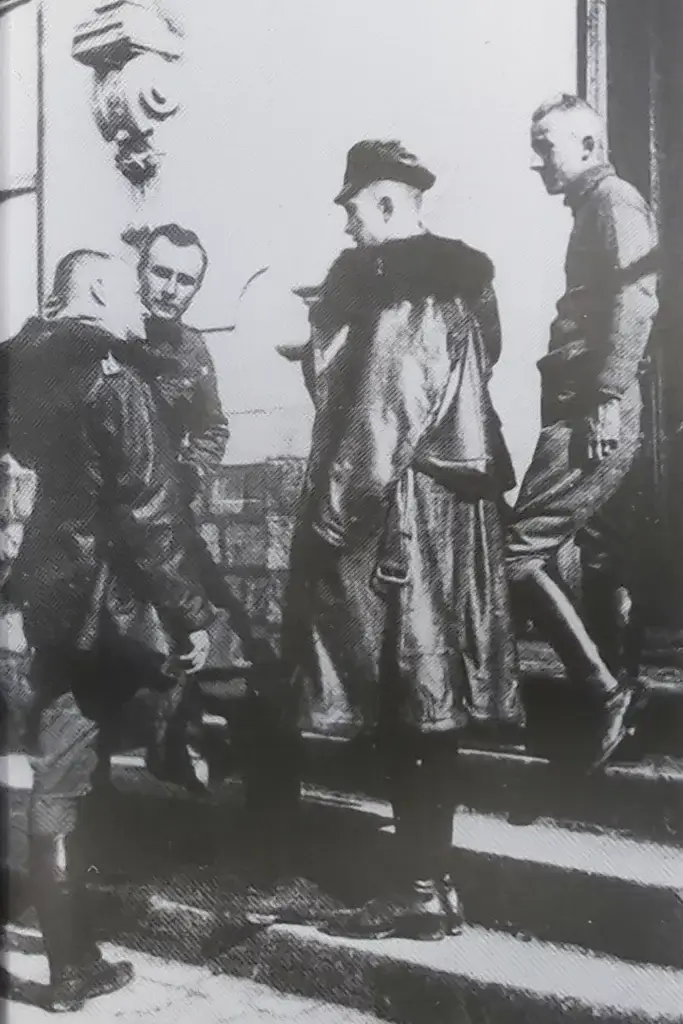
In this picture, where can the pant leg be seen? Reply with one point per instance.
(421, 772)
(560, 495)
(63, 743)
(609, 552)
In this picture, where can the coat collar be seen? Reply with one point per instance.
(580, 189)
(163, 332)
(364, 280)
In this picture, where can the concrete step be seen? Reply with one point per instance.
(164, 991)
(480, 976)
(603, 892)
(643, 800)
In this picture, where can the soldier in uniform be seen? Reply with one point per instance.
(591, 415)
(102, 579)
(397, 621)
(177, 364)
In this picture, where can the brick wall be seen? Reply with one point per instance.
(247, 521)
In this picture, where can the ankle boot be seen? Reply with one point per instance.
(606, 612)
(422, 772)
(78, 972)
(417, 911)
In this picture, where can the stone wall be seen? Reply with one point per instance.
(247, 521)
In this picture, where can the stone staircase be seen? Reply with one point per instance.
(572, 885)
(573, 888)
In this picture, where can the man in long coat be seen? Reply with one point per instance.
(397, 622)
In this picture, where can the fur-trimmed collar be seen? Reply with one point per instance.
(364, 280)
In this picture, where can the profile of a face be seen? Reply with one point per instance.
(170, 276)
(564, 147)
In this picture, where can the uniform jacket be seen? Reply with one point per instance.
(185, 382)
(103, 559)
(399, 532)
(605, 316)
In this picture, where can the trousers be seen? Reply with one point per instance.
(75, 695)
(563, 498)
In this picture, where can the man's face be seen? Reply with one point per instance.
(170, 277)
(366, 221)
(562, 151)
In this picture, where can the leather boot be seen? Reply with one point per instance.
(421, 771)
(554, 614)
(168, 758)
(424, 808)
(607, 615)
(610, 619)
(78, 972)
(418, 911)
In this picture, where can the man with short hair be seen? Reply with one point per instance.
(397, 620)
(172, 265)
(591, 413)
(176, 362)
(101, 577)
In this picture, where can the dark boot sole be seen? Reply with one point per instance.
(403, 928)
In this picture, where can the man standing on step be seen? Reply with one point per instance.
(591, 413)
(178, 366)
(397, 622)
(101, 578)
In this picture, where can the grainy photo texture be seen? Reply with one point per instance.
(341, 476)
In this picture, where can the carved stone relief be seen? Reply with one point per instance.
(134, 52)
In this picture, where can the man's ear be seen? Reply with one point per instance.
(589, 144)
(386, 205)
(98, 292)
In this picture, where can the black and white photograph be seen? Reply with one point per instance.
(341, 532)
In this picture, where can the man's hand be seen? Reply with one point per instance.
(192, 656)
(602, 436)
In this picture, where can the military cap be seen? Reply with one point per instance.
(382, 160)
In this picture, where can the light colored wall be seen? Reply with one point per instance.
(275, 93)
(18, 163)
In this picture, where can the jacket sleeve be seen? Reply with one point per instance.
(207, 425)
(144, 504)
(485, 309)
(630, 243)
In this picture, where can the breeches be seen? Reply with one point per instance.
(75, 695)
(562, 498)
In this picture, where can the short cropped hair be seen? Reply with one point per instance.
(182, 237)
(568, 103)
(64, 274)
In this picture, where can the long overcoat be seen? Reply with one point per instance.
(397, 608)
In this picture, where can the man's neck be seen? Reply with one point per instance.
(406, 229)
